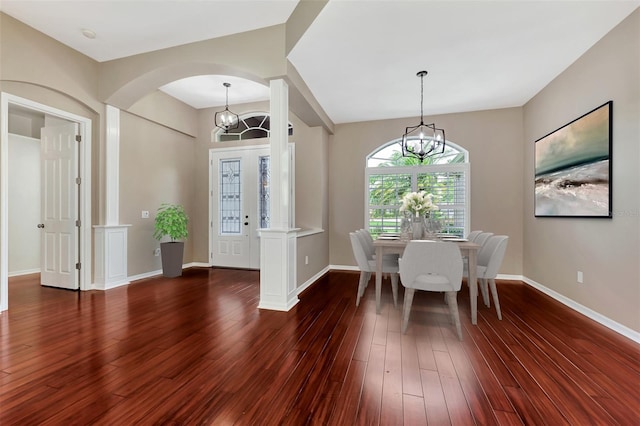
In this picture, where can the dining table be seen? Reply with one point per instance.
(468, 249)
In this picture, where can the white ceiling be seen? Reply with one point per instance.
(359, 57)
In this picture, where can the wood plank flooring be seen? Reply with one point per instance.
(195, 350)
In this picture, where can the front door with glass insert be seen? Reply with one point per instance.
(239, 206)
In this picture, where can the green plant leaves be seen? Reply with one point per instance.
(171, 220)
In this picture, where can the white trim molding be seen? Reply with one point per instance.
(311, 281)
(343, 268)
(24, 272)
(310, 231)
(597, 317)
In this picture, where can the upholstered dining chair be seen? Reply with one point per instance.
(473, 234)
(482, 238)
(431, 266)
(367, 243)
(367, 266)
(489, 261)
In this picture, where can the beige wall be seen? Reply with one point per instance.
(607, 251)
(156, 166)
(167, 111)
(494, 141)
(30, 56)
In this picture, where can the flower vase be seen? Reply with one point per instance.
(429, 229)
(417, 228)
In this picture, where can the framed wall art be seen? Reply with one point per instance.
(573, 167)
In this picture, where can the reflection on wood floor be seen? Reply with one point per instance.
(196, 350)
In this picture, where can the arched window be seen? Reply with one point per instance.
(389, 176)
(251, 126)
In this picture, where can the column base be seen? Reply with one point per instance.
(110, 256)
(278, 269)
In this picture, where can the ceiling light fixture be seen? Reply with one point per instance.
(423, 140)
(88, 33)
(226, 119)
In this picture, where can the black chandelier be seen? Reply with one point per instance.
(226, 119)
(423, 140)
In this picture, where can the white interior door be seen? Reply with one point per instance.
(59, 241)
(235, 206)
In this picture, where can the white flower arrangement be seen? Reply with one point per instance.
(418, 203)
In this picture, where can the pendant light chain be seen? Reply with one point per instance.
(421, 97)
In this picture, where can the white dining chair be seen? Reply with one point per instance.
(367, 266)
(367, 243)
(489, 261)
(473, 234)
(431, 266)
(482, 238)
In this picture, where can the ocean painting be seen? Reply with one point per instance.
(573, 168)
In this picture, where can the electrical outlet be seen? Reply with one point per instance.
(156, 252)
(306, 260)
(145, 214)
(580, 277)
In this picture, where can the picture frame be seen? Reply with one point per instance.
(573, 167)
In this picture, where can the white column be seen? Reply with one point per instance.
(279, 144)
(278, 243)
(110, 239)
(112, 166)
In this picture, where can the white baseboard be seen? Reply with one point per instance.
(597, 317)
(25, 272)
(159, 271)
(196, 265)
(109, 286)
(509, 277)
(311, 280)
(343, 268)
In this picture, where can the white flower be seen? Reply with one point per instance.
(418, 202)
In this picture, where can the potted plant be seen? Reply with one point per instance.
(171, 221)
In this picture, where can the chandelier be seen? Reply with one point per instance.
(423, 140)
(226, 119)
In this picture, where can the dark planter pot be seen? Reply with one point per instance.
(172, 258)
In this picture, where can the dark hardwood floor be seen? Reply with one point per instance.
(196, 350)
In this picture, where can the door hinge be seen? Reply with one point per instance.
(78, 265)
(78, 223)
(78, 181)
(78, 138)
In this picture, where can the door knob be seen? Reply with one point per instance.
(41, 225)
